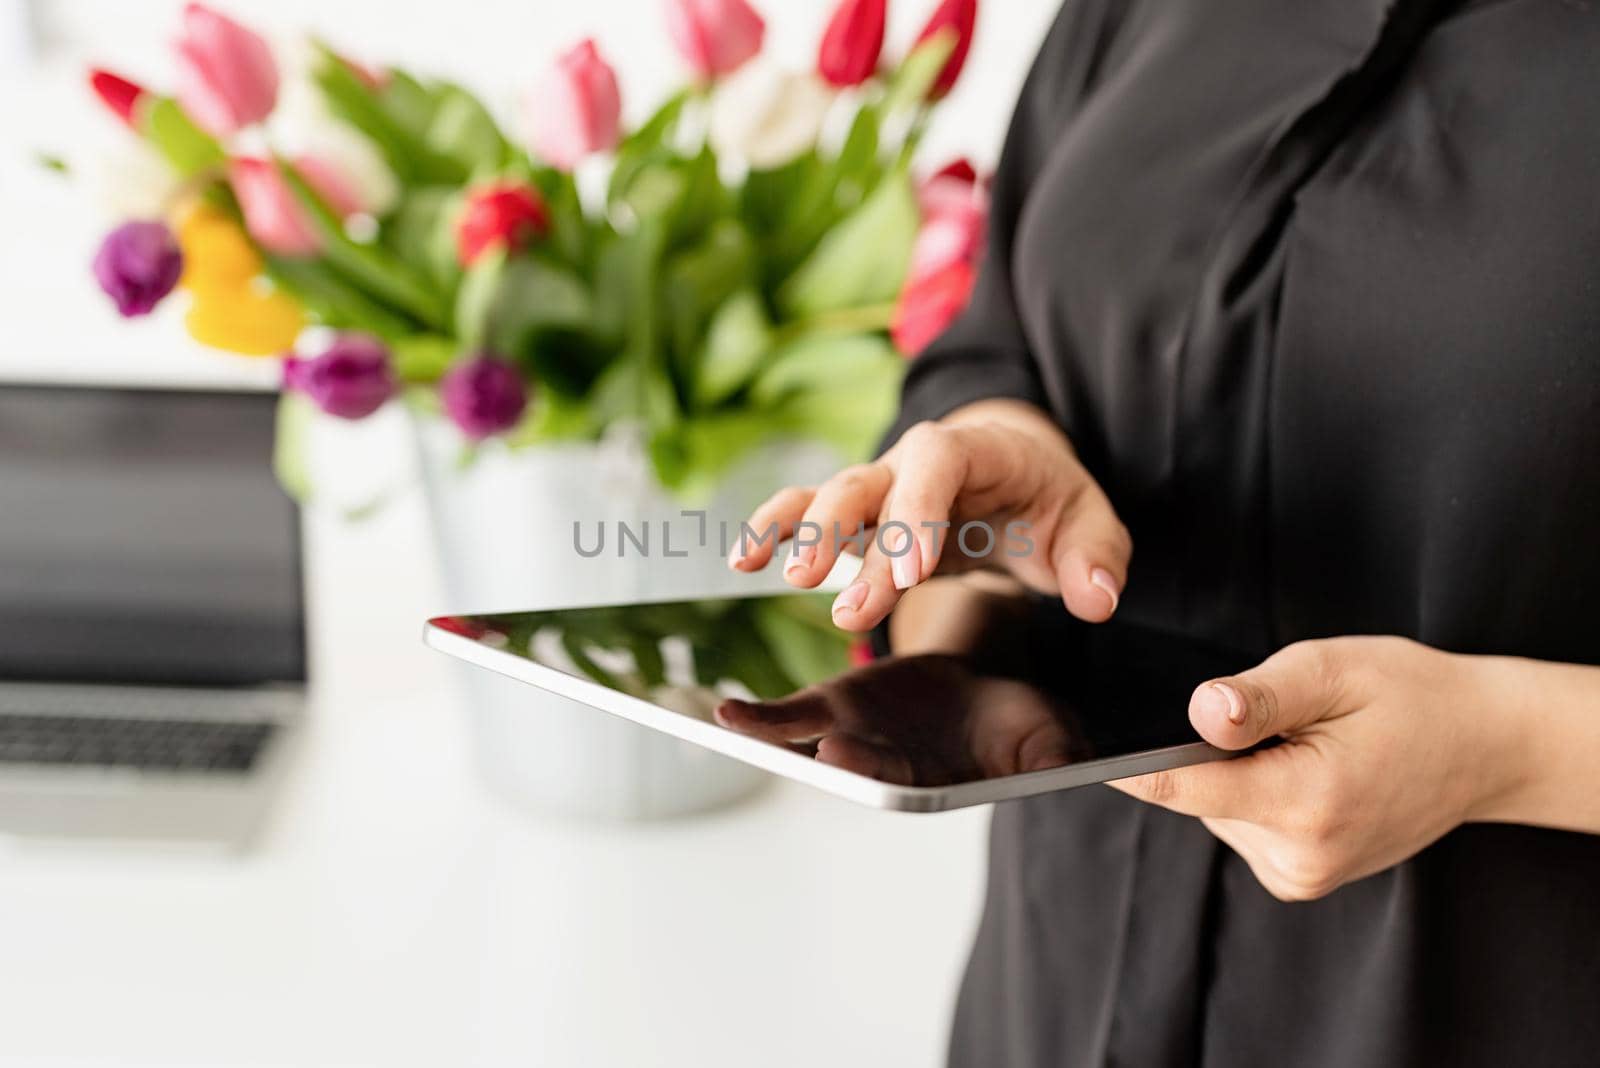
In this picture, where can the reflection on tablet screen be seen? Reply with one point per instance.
(1046, 690)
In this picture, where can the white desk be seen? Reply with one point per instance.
(395, 916)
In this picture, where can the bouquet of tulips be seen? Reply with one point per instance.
(753, 260)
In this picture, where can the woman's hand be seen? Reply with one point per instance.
(1387, 746)
(967, 726)
(1002, 464)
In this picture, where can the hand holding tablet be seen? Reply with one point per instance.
(1043, 703)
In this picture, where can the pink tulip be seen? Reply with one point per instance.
(961, 18)
(955, 235)
(852, 42)
(273, 214)
(577, 108)
(332, 185)
(950, 188)
(227, 78)
(715, 36)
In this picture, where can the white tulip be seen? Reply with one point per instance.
(131, 180)
(767, 116)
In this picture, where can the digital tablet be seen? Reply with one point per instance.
(1041, 703)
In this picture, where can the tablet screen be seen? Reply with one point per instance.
(1043, 691)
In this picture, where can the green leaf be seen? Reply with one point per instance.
(851, 416)
(571, 235)
(368, 266)
(335, 302)
(861, 261)
(858, 156)
(348, 98)
(476, 298)
(422, 233)
(572, 643)
(822, 362)
(423, 357)
(529, 297)
(396, 117)
(738, 336)
(189, 149)
(636, 386)
(691, 457)
(749, 659)
(683, 195)
(809, 651)
(696, 281)
(463, 130)
(767, 198)
(553, 416)
(289, 455)
(705, 199)
(657, 129)
(914, 80)
(407, 104)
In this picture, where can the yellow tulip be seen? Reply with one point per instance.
(248, 320)
(217, 256)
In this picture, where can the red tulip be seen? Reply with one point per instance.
(929, 305)
(119, 94)
(577, 109)
(861, 654)
(852, 42)
(505, 214)
(465, 626)
(961, 16)
(715, 36)
(959, 169)
(227, 78)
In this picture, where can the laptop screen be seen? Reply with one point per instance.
(143, 539)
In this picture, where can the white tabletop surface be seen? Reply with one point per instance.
(395, 915)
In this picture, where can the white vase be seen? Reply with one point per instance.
(504, 528)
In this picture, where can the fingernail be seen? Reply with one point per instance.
(720, 713)
(851, 598)
(1220, 699)
(800, 556)
(907, 567)
(736, 554)
(1102, 578)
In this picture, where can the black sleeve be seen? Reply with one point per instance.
(984, 353)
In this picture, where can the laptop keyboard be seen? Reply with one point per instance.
(152, 745)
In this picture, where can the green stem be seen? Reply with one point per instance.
(844, 321)
(913, 138)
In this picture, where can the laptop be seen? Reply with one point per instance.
(152, 614)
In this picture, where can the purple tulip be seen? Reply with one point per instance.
(483, 396)
(138, 264)
(351, 380)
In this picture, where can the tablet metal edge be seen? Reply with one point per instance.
(780, 761)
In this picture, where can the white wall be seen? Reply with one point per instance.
(58, 325)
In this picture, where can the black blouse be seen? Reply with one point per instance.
(1314, 285)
